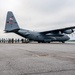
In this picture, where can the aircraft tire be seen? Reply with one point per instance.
(38, 41)
(63, 41)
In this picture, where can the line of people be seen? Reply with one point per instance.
(12, 40)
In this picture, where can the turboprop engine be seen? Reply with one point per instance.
(69, 31)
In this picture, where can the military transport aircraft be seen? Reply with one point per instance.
(44, 37)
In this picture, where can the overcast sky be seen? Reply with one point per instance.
(38, 15)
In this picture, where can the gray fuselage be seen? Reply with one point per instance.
(36, 36)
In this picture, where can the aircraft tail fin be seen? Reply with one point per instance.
(11, 23)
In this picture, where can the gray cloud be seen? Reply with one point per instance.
(47, 5)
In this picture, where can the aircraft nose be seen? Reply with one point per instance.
(67, 37)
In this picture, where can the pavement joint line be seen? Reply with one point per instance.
(48, 71)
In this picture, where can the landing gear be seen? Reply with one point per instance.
(43, 42)
(48, 42)
(63, 41)
(39, 42)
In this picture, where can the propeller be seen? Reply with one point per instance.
(73, 34)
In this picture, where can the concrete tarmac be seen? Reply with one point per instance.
(37, 59)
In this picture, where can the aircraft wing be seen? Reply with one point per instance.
(57, 30)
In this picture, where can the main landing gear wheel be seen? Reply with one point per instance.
(63, 41)
(39, 42)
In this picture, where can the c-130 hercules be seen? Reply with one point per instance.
(44, 37)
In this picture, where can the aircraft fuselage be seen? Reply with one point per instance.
(36, 36)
